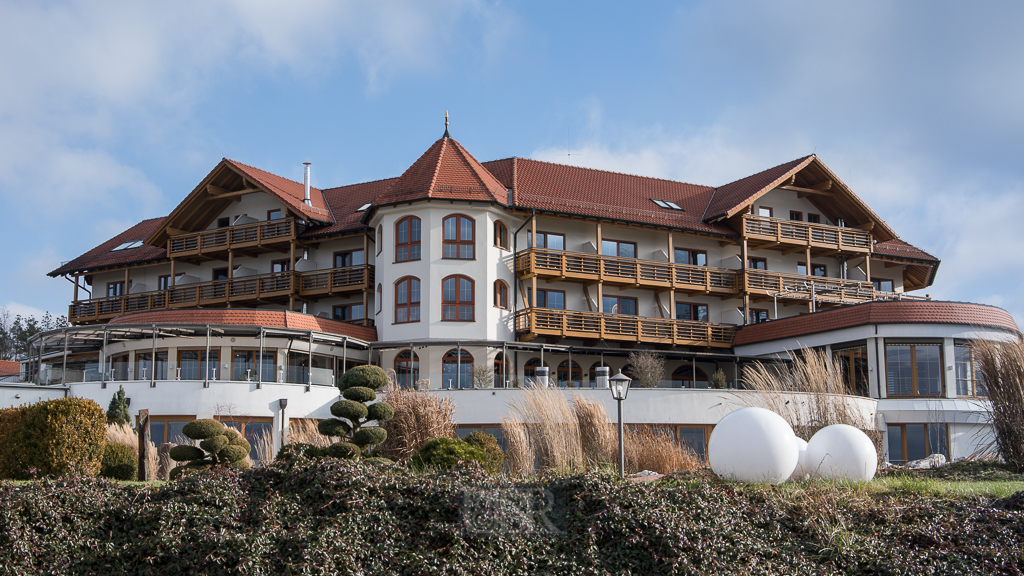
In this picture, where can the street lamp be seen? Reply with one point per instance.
(620, 388)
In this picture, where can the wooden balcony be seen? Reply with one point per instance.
(788, 234)
(247, 238)
(803, 288)
(534, 322)
(589, 268)
(337, 281)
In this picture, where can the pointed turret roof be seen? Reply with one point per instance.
(445, 171)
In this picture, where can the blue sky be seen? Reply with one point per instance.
(111, 112)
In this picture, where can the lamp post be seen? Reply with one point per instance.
(620, 388)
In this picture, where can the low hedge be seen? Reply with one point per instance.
(119, 463)
(60, 437)
(341, 517)
(444, 454)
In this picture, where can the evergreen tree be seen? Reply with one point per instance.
(117, 412)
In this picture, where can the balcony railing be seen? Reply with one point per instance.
(792, 233)
(799, 287)
(337, 280)
(625, 271)
(534, 322)
(243, 236)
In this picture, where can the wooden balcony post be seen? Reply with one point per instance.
(170, 283)
(672, 304)
(867, 267)
(746, 288)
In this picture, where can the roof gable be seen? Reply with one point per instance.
(445, 171)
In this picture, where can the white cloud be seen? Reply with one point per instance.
(24, 310)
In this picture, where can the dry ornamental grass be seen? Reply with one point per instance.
(124, 434)
(1002, 371)
(419, 416)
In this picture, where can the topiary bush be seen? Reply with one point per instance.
(61, 437)
(218, 446)
(298, 450)
(119, 463)
(358, 387)
(444, 454)
(489, 446)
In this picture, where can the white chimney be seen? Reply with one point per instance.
(305, 183)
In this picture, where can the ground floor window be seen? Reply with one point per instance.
(245, 365)
(299, 370)
(144, 369)
(197, 364)
(695, 439)
(257, 431)
(916, 441)
(119, 367)
(530, 369)
(502, 371)
(913, 369)
(407, 369)
(853, 362)
(968, 372)
(168, 429)
(457, 369)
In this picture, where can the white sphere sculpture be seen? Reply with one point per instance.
(841, 452)
(801, 471)
(753, 445)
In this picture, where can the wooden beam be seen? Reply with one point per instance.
(823, 185)
(804, 191)
(221, 192)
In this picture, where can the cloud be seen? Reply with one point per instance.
(24, 310)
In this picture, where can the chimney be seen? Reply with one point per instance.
(305, 183)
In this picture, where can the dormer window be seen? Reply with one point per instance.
(666, 204)
(363, 207)
(128, 245)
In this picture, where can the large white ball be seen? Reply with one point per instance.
(801, 471)
(841, 452)
(753, 445)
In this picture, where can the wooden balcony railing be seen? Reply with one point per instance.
(613, 270)
(799, 287)
(534, 322)
(243, 236)
(791, 233)
(337, 280)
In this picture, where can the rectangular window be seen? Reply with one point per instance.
(796, 216)
(220, 274)
(816, 269)
(813, 218)
(691, 257)
(547, 240)
(299, 371)
(115, 289)
(916, 441)
(554, 299)
(914, 369)
(274, 214)
(854, 365)
(755, 263)
(617, 248)
(244, 367)
(223, 222)
(459, 238)
(693, 439)
(350, 258)
(968, 372)
(279, 266)
(119, 367)
(193, 365)
(882, 285)
(144, 366)
(348, 312)
(164, 282)
(692, 312)
(618, 305)
(764, 211)
(757, 316)
(407, 239)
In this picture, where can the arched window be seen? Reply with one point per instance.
(380, 298)
(459, 234)
(407, 369)
(407, 300)
(500, 294)
(457, 299)
(457, 369)
(407, 239)
(593, 372)
(380, 238)
(530, 369)
(569, 374)
(500, 235)
(684, 377)
(502, 370)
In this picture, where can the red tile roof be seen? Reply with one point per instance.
(900, 249)
(896, 312)
(745, 190)
(9, 368)
(101, 256)
(344, 202)
(288, 191)
(603, 194)
(447, 171)
(250, 317)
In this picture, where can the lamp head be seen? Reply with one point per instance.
(620, 386)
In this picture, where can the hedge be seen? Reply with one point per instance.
(60, 437)
(329, 516)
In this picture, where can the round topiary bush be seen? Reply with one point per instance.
(232, 453)
(359, 394)
(489, 446)
(186, 453)
(380, 411)
(214, 444)
(333, 427)
(202, 429)
(349, 410)
(369, 436)
(119, 463)
(372, 377)
(444, 454)
(219, 446)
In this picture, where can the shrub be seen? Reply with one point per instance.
(119, 463)
(444, 454)
(359, 394)
(219, 446)
(417, 416)
(648, 367)
(126, 435)
(367, 376)
(489, 446)
(117, 411)
(647, 449)
(11, 451)
(59, 437)
(357, 387)
(299, 450)
(1002, 370)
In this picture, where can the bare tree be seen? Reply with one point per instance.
(648, 367)
(483, 376)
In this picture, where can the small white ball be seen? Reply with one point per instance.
(753, 445)
(801, 472)
(841, 452)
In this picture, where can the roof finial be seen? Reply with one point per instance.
(446, 135)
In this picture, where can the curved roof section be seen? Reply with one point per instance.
(250, 317)
(105, 255)
(893, 312)
(445, 171)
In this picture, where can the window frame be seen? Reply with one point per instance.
(752, 259)
(619, 300)
(334, 312)
(200, 352)
(814, 266)
(287, 267)
(458, 303)
(500, 235)
(902, 426)
(618, 248)
(152, 364)
(342, 253)
(501, 294)
(410, 363)
(460, 359)
(410, 243)
(799, 216)
(692, 306)
(817, 218)
(771, 212)
(877, 282)
(974, 376)
(380, 298)
(529, 298)
(533, 241)
(410, 304)
(571, 367)
(914, 368)
(690, 253)
(380, 239)
(279, 211)
(459, 241)
(224, 222)
(119, 289)
(757, 313)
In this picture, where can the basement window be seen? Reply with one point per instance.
(128, 245)
(667, 204)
